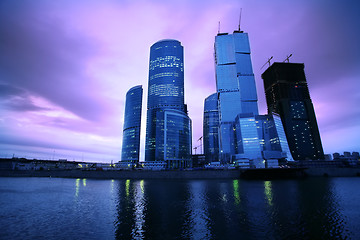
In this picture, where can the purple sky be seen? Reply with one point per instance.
(65, 66)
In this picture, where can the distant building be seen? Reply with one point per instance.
(211, 128)
(168, 127)
(336, 155)
(153, 165)
(287, 94)
(235, 86)
(351, 159)
(132, 125)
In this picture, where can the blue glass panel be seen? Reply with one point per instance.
(226, 78)
(243, 64)
(241, 41)
(230, 106)
(225, 52)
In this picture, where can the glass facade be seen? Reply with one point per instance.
(177, 138)
(235, 85)
(166, 75)
(281, 136)
(167, 122)
(247, 138)
(132, 123)
(287, 94)
(260, 137)
(211, 128)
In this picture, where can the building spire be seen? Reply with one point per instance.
(240, 18)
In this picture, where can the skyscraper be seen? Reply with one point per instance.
(288, 95)
(211, 128)
(235, 85)
(168, 127)
(132, 124)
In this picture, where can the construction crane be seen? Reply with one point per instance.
(200, 139)
(267, 62)
(287, 58)
(199, 146)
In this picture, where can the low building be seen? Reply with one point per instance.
(241, 163)
(153, 165)
(198, 160)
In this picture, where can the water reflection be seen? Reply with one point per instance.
(224, 209)
(197, 224)
(268, 192)
(77, 185)
(127, 187)
(318, 208)
(112, 184)
(139, 207)
(236, 191)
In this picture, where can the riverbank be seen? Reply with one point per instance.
(332, 172)
(142, 174)
(194, 174)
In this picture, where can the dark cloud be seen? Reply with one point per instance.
(17, 99)
(48, 59)
(322, 34)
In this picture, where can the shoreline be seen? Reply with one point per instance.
(263, 174)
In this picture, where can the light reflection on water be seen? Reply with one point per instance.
(318, 208)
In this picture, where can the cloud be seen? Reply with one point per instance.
(41, 55)
(17, 99)
(66, 66)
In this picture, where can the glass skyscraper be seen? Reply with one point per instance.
(211, 128)
(168, 127)
(235, 85)
(260, 137)
(287, 94)
(132, 123)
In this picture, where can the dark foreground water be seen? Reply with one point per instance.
(55, 208)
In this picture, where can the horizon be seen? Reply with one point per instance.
(65, 67)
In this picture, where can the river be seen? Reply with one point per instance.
(60, 208)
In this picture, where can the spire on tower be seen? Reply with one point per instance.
(240, 18)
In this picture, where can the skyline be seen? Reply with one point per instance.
(65, 68)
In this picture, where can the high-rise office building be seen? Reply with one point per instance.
(211, 128)
(235, 85)
(260, 137)
(132, 124)
(168, 127)
(287, 94)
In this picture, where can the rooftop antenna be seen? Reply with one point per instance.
(219, 28)
(268, 61)
(240, 18)
(287, 58)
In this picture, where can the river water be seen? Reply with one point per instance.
(56, 208)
